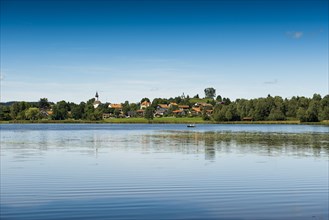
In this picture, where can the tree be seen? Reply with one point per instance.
(291, 106)
(125, 108)
(324, 108)
(145, 99)
(205, 116)
(219, 112)
(260, 111)
(196, 96)
(312, 111)
(78, 111)
(89, 110)
(15, 110)
(148, 114)
(44, 104)
(276, 114)
(5, 113)
(301, 114)
(210, 92)
(133, 107)
(60, 111)
(219, 98)
(117, 112)
(32, 113)
(226, 101)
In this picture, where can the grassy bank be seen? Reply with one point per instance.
(167, 120)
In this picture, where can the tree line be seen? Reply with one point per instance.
(275, 108)
(270, 108)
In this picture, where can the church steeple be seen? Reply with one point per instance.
(96, 102)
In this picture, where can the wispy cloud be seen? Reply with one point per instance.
(295, 34)
(2, 76)
(275, 81)
(153, 89)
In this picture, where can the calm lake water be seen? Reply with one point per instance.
(132, 171)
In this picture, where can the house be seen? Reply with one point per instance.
(161, 110)
(140, 112)
(195, 111)
(117, 108)
(247, 119)
(106, 115)
(172, 104)
(203, 105)
(183, 107)
(209, 112)
(145, 104)
(162, 106)
(131, 114)
(179, 112)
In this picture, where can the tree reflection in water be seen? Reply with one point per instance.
(270, 144)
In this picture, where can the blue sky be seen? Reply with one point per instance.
(127, 50)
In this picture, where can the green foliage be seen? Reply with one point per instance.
(301, 114)
(145, 99)
(210, 92)
(133, 107)
(270, 108)
(125, 107)
(312, 111)
(78, 111)
(205, 116)
(148, 114)
(44, 104)
(324, 108)
(220, 112)
(276, 115)
(17, 110)
(117, 112)
(219, 98)
(32, 114)
(226, 101)
(60, 111)
(5, 113)
(195, 100)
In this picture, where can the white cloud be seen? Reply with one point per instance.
(295, 34)
(275, 81)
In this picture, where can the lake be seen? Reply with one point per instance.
(164, 171)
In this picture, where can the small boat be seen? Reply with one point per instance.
(191, 125)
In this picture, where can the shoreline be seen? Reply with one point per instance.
(144, 121)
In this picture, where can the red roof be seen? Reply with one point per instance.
(184, 106)
(118, 106)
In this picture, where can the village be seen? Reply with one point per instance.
(164, 109)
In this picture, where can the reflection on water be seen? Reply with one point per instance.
(154, 172)
(271, 144)
(26, 144)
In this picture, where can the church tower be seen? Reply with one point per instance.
(96, 102)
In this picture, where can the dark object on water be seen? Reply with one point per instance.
(191, 125)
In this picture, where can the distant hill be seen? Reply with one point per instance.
(12, 102)
(8, 103)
